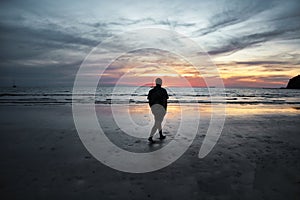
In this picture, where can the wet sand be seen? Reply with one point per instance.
(256, 157)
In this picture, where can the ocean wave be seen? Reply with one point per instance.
(130, 96)
(132, 101)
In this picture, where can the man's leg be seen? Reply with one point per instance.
(161, 136)
(159, 113)
(156, 126)
(153, 130)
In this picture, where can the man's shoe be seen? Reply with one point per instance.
(161, 137)
(151, 140)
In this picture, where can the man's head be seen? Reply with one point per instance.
(158, 81)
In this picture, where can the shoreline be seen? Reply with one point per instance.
(231, 109)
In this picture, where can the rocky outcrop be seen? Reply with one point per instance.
(294, 83)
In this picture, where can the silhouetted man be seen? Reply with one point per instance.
(158, 102)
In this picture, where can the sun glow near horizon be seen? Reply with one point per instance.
(177, 73)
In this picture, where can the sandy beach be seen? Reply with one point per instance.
(256, 157)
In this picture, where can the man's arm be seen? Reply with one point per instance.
(166, 94)
(148, 97)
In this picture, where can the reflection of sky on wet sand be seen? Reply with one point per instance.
(261, 110)
(172, 108)
(175, 110)
(138, 119)
(143, 111)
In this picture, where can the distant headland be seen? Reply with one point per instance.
(294, 83)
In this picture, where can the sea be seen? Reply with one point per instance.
(138, 95)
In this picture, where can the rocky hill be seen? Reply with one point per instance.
(294, 83)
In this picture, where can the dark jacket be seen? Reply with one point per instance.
(158, 95)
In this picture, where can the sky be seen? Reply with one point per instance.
(252, 43)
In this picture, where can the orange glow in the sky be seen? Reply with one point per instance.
(142, 69)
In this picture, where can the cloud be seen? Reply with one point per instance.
(62, 74)
(22, 40)
(50, 38)
(261, 62)
(233, 12)
(250, 24)
(272, 81)
(245, 41)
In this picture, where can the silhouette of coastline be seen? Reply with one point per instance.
(294, 83)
